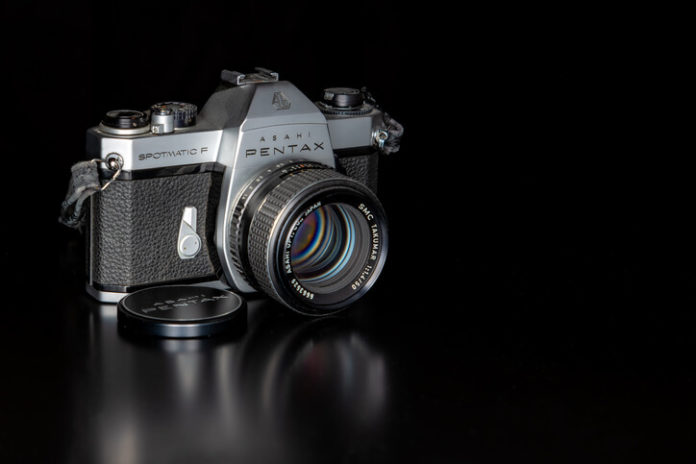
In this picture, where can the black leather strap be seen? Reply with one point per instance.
(84, 182)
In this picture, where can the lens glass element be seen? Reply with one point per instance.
(330, 247)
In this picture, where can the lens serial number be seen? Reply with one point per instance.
(301, 290)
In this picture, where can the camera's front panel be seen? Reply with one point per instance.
(193, 145)
(279, 123)
(135, 233)
(361, 165)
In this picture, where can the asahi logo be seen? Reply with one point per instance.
(285, 144)
(281, 101)
(168, 305)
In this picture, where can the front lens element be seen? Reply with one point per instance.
(328, 247)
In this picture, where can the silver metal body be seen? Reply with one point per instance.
(162, 123)
(246, 128)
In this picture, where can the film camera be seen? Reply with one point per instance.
(262, 191)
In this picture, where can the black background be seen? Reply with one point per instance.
(538, 300)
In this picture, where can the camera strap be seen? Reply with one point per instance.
(394, 131)
(84, 182)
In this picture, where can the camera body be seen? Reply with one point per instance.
(264, 190)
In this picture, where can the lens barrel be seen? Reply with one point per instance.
(308, 236)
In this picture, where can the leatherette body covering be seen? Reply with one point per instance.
(135, 226)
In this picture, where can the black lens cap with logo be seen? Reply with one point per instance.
(181, 311)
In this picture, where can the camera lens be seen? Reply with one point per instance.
(325, 250)
(308, 236)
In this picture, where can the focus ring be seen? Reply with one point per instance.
(249, 203)
(265, 219)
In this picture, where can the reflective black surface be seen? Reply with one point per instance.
(572, 356)
(284, 392)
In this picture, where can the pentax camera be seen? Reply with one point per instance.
(263, 191)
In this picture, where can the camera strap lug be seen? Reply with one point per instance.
(388, 139)
(85, 182)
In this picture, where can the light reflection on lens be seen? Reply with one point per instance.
(326, 248)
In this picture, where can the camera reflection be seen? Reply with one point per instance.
(287, 390)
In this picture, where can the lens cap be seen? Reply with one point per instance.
(181, 311)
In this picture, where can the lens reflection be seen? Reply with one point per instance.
(326, 249)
